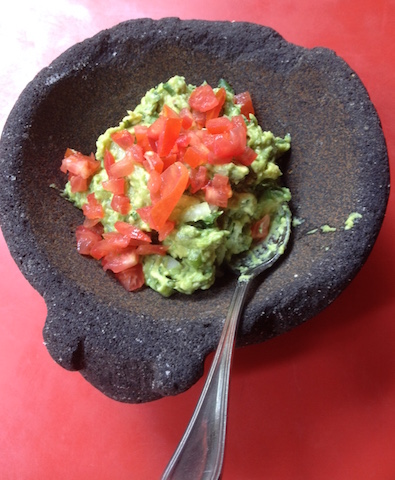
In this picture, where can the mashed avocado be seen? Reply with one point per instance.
(207, 225)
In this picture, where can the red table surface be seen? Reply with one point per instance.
(316, 403)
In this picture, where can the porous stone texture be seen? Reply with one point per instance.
(138, 347)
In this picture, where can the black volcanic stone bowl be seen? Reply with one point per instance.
(138, 347)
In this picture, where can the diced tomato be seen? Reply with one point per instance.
(78, 164)
(117, 262)
(167, 228)
(132, 232)
(169, 112)
(152, 161)
(115, 186)
(78, 184)
(137, 153)
(156, 128)
(145, 214)
(112, 242)
(199, 119)
(244, 100)
(132, 278)
(94, 224)
(218, 191)
(195, 156)
(93, 208)
(169, 160)
(260, 229)
(221, 97)
(86, 239)
(141, 133)
(121, 204)
(152, 249)
(108, 160)
(154, 185)
(169, 135)
(198, 178)
(247, 157)
(228, 145)
(203, 99)
(121, 168)
(123, 138)
(218, 125)
(187, 118)
(174, 182)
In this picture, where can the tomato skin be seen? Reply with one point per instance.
(218, 125)
(117, 262)
(195, 156)
(218, 191)
(78, 184)
(123, 138)
(149, 249)
(244, 100)
(199, 178)
(86, 239)
(174, 182)
(132, 232)
(214, 112)
(115, 186)
(131, 279)
(78, 164)
(121, 204)
(92, 209)
(169, 135)
(108, 160)
(260, 229)
(203, 99)
(247, 157)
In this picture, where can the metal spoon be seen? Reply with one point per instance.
(200, 453)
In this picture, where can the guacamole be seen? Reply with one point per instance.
(185, 181)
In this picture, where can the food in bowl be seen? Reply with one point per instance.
(187, 180)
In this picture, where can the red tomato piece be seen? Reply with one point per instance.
(169, 135)
(195, 156)
(93, 208)
(152, 161)
(112, 242)
(218, 191)
(187, 118)
(169, 112)
(123, 138)
(137, 153)
(260, 229)
(174, 182)
(117, 262)
(198, 178)
(121, 204)
(165, 230)
(132, 232)
(247, 157)
(152, 249)
(78, 184)
(115, 186)
(108, 160)
(244, 100)
(141, 133)
(132, 278)
(203, 99)
(121, 168)
(218, 125)
(156, 128)
(86, 239)
(78, 164)
(221, 97)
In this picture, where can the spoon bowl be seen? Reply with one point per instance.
(200, 453)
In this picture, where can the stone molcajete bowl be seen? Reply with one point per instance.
(137, 347)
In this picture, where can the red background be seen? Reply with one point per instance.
(316, 403)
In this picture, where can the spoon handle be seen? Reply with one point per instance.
(200, 453)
